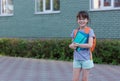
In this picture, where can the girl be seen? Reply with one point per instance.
(82, 62)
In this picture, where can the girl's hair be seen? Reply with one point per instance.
(82, 14)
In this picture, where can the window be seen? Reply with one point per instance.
(47, 6)
(104, 4)
(6, 7)
(117, 3)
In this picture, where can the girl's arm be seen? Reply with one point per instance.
(87, 45)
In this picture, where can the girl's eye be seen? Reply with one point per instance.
(82, 19)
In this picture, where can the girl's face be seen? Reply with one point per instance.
(82, 21)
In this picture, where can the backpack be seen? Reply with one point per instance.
(87, 30)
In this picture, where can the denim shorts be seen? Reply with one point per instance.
(88, 64)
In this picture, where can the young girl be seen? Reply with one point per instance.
(82, 62)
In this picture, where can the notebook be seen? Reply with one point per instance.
(80, 38)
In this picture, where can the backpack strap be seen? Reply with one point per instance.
(75, 32)
(87, 30)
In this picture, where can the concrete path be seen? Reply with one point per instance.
(24, 69)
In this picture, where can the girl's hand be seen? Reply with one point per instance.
(76, 44)
(72, 46)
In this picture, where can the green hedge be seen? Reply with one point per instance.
(107, 51)
(47, 49)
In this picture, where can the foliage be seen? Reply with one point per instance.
(107, 51)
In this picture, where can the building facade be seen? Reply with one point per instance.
(57, 18)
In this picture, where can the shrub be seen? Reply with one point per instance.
(107, 51)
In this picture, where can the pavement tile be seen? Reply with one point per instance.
(28, 69)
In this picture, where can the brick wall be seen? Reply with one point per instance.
(24, 23)
(106, 23)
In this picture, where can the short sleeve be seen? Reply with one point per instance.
(72, 34)
(91, 34)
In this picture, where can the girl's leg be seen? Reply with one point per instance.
(76, 74)
(85, 74)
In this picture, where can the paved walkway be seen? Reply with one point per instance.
(24, 69)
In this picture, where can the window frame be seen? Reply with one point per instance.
(5, 14)
(102, 7)
(44, 10)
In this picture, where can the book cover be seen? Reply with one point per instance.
(80, 38)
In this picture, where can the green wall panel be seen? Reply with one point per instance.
(25, 24)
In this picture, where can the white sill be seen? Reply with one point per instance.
(6, 14)
(104, 9)
(52, 12)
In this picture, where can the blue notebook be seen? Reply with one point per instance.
(80, 38)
